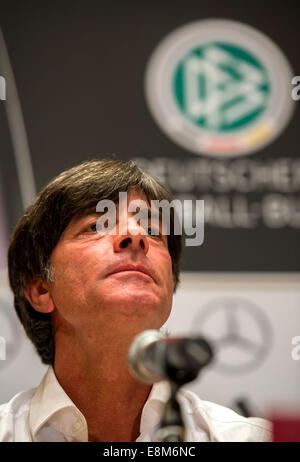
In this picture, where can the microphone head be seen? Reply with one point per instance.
(153, 357)
(136, 356)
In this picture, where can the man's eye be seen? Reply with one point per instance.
(91, 228)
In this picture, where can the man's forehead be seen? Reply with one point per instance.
(134, 195)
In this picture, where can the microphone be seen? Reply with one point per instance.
(153, 357)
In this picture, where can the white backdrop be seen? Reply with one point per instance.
(22, 367)
(249, 319)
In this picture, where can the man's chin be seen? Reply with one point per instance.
(138, 297)
(139, 302)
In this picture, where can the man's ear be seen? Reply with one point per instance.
(38, 294)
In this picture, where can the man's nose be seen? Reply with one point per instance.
(132, 238)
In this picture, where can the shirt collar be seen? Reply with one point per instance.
(153, 409)
(51, 406)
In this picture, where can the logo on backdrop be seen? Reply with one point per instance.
(239, 332)
(219, 87)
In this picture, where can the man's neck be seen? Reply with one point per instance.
(97, 380)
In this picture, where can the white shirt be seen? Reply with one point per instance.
(46, 413)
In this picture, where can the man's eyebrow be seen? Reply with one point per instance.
(84, 215)
(152, 213)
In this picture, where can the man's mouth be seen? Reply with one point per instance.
(132, 268)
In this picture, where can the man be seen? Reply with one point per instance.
(82, 297)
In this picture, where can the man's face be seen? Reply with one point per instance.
(111, 281)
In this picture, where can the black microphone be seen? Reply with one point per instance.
(153, 357)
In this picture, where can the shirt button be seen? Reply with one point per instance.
(77, 426)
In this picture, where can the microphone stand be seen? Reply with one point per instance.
(182, 365)
(171, 429)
